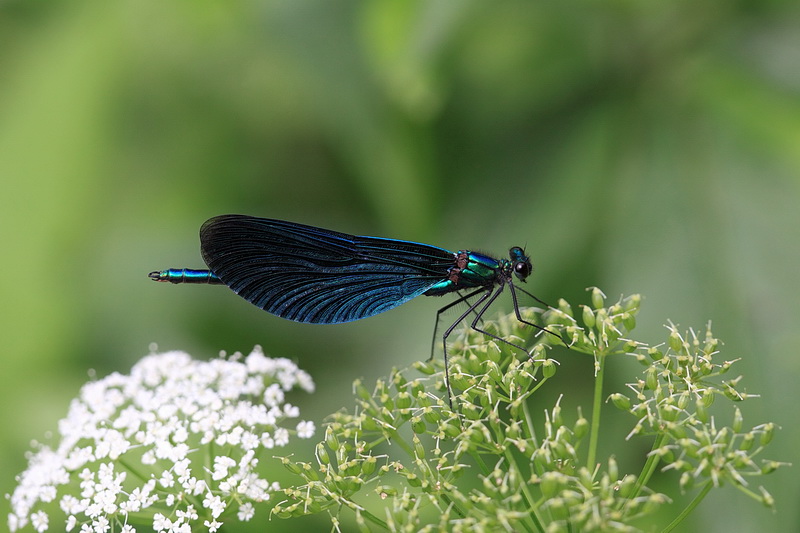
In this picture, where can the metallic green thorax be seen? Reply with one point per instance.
(473, 270)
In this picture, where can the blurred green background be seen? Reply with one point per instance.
(648, 147)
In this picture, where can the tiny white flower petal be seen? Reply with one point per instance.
(14, 522)
(212, 526)
(101, 525)
(305, 429)
(161, 522)
(214, 504)
(166, 480)
(246, 512)
(40, 521)
(182, 467)
(291, 411)
(273, 395)
(305, 382)
(281, 437)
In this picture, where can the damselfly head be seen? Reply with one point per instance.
(521, 263)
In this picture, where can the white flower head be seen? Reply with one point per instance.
(246, 512)
(305, 429)
(138, 442)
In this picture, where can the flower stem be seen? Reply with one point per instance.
(594, 436)
(689, 508)
(526, 494)
(650, 465)
(647, 472)
(530, 430)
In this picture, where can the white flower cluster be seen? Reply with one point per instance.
(172, 447)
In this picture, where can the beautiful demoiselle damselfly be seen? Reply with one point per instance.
(319, 276)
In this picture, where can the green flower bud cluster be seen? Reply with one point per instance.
(674, 400)
(493, 462)
(598, 329)
(515, 473)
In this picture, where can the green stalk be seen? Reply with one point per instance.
(649, 466)
(594, 435)
(374, 519)
(647, 470)
(689, 508)
(526, 494)
(530, 431)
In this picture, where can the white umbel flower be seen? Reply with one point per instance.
(141, 445)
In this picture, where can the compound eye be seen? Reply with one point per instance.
(522, 270)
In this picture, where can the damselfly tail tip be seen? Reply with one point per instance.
(157, 275)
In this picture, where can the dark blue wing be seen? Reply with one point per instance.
(309, 274)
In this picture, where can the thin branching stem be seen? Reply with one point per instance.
(650, 465)
(689, 508)
(594, 436)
